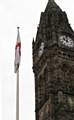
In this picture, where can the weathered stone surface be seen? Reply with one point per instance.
(54, 69)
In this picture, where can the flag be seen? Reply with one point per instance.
(17, 52)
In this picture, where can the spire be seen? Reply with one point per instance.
(51, 5)
(51, 0)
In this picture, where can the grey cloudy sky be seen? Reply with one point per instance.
(26, 14)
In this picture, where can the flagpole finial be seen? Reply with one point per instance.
(18, 27)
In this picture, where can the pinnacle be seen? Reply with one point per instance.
(52, 6)
(51, 0)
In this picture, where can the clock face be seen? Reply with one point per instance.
(66, 40)
(41, 49)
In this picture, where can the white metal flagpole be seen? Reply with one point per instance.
(17, 96)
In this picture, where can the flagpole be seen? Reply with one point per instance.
(17, 63)
(17, 95)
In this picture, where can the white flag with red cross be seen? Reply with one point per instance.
(17, 52)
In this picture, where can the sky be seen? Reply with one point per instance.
(26, 15)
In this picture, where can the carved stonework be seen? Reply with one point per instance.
(53, 65)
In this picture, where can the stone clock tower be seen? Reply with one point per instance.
(53, 65)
